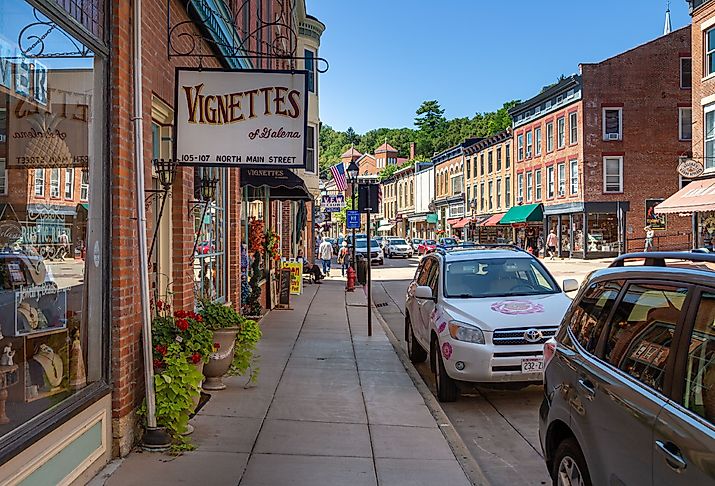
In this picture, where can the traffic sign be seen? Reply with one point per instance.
(353, 219)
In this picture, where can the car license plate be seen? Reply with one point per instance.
(532, 365)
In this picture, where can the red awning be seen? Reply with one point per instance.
(460, 223)
(696, 196)
(453, 221)
(493, 220)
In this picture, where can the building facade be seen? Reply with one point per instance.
(449, 192)
(488, 176)
(580, 147)
(424, 221)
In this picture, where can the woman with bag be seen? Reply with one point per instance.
(344, 257)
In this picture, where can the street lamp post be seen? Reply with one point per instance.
(352, 171)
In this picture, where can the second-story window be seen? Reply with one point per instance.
(573, 127)
(529, 186)
(310, 67)
(537, 177)
(520, 187)
(40, 182)
(54, 183)
(537, 141)
(491, 192)
(710, 51)
(508, 155)
(529, 143)
(573, 172)
(520, 147)
(561, 132)
(69, 183)
(686, 72)
(490, 162)
(481, 164)
(310, 162)
(498, 158)
(498, 193)
(469, 166)
(613, 174)
(685, 123)
(550, 181)
(562, 179)
(550, 137)
(612, 121)
(481, 197)
(507, 191)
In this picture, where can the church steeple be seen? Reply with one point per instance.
(667, 29)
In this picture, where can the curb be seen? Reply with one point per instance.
(469, 465)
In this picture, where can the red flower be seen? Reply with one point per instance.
(160, 304)
(217, 346)
(199, 318)
(181, 314)
(158, 363)
(160, 349)
(182, 324)
(195, 358)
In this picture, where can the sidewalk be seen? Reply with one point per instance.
(331, 407)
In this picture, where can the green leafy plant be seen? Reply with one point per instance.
(183, 327)
(177, 385)
(244, 359)
(219, 316)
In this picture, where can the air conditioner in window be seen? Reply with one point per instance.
(613, 136)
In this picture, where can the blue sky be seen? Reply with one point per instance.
(387, 56)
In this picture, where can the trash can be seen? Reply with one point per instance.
(361, 269)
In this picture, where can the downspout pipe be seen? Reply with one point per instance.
(154, 438)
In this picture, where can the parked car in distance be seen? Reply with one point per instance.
(398, 247)
(629, 385)
(427, 246)
(376, 254)
(447, 241)
(415, 242)
(482, 316)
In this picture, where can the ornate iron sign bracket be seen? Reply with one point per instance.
(272, 39)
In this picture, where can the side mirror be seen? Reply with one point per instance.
(570, 285)
(424, 292)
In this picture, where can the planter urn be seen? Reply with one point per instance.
(220, 360)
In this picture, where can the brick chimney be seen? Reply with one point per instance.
(412, 150)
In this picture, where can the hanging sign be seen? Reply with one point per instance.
(690, 168)
(332, 203)
(241, 118)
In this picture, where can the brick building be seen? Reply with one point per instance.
(449, 193)
(582, 144)
(696, 196)
(488, 176)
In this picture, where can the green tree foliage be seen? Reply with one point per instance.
(433, 133)
(388, 171)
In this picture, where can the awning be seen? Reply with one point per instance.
(386, 227)
(461, 223)
(284, 184)
(417, 219)
(478, 220)
(696, 196)
(453, 221)
(526, 213)
(493, 220)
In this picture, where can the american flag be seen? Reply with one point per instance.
(338, 172)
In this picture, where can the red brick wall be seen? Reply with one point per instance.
(233, 215)
(645, 82)
(702, 88)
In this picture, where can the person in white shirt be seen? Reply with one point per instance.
(649, 234)
(325, 253)
(551, 242)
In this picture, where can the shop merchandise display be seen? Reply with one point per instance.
(52, 366)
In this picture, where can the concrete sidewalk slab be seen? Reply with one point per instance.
(332, 406)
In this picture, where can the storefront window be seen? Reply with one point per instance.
(210, 226)
(51, 286)
(706, 230)
(577, 229)
(602, 232)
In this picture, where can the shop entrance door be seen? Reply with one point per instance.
(565, 236)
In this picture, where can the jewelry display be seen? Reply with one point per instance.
(51, 364)
(7, 355)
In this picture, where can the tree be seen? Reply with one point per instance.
(388, 171)
(352, 137)
(430, 117)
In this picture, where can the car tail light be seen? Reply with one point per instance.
(549, 350)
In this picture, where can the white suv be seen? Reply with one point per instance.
(483, 314)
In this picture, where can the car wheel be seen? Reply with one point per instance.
(569, 468)
(447, 390)
(415, 351)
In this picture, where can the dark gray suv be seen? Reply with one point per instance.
(630, 376)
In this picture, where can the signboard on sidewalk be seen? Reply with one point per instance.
(332, 203)
(296, 276)
(241, 118)
(352, 217)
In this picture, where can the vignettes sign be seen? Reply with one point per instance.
(332, 203)
(241, 118)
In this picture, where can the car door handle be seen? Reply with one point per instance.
(587, 387)
(672, 455)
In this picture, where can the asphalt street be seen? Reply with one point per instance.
(500, 427)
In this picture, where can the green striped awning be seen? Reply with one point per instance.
(524, 214)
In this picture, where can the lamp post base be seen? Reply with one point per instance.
(155, 439)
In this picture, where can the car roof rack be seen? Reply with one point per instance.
(658, 258)
(442, 249)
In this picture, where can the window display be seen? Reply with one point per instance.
(577, 227)
(602, 232)
(210, 225)
(51, 115)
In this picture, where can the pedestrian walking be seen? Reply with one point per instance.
(344, 257)
(649, 233)
(551, 241)
(325, 253)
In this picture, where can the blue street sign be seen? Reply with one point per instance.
(353, 219)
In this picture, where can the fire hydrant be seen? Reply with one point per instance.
(350, 285)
